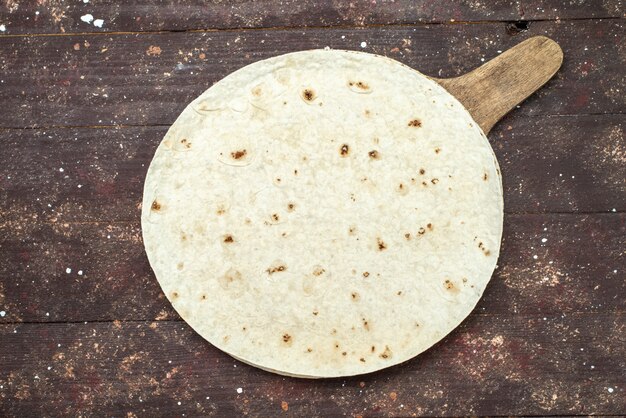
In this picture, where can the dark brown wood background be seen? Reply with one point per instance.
(84, 327)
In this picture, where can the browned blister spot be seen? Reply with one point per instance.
(221, 209)
(344, 151)
(275, 217)
(430, 227)
(361, 85)
(421, 231)
(366, 274)
(228, 239)
(407, 236)
(415, 123)
(386, 353)
(238, 154)
(373, 348)
(309, 350)
(308, 95)
(434, 181)
(257, 91)
(422, 171)
(367, 113)
(183, 237)
(174, 295)
(484, 249)
(156, 206)
(381, 244)
(399, 293)
(287, 339)
(355, 296)
(366, 324)
(437, 150)
(374, 155)
(352, 230)
(203, 297)
(485, 176)
(344, 353)
(291, 207)
(318, 271)
(315, 313)
(185, 142)
(276, 269)
(362, 359)
(180, 265)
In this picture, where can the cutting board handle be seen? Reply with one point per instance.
(490, 91)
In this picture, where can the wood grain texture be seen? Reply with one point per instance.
(55, 16)
(148, 79)
(490, 91)
(491, 365)
(579, 268)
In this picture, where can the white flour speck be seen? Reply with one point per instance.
(49, 367)
(80, 185)
(593, 367)
(613, 210)
(98, 23)
(88, 18)
(108, 236)
(544, 239)
(239, 390)
(179, 402)
(3, 28)
(68, 270)
(363, 44)
(208, 397)
(61, 169)
(610, 390)
(37, 13)
(80, 272)
(47, 313)
(535, 257)
(59, 345)
(2, 314)
(85, 1)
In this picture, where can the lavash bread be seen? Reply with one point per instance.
(323, 213)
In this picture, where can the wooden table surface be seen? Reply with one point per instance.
(84, 327)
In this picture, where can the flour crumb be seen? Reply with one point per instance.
(363, 44)
(88, 18)
(98, 23)
(239, 390)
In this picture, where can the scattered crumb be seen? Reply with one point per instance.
(88, 18)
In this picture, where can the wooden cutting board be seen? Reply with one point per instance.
(490, 91)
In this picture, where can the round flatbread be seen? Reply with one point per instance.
(323, 213)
